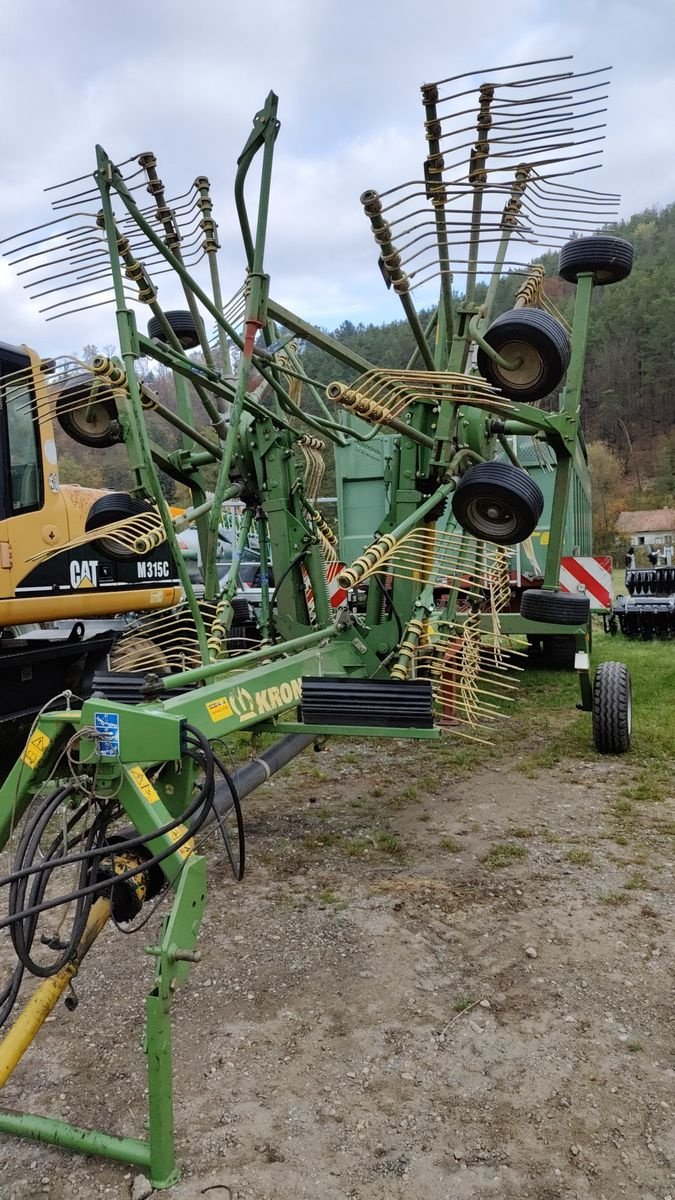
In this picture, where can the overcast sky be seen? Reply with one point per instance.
(184, 79)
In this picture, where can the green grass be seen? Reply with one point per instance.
(545, 714)
(615, 899)
(636, 882)
(323, 837)
(379, 841)
(504, 854)
(579, 856)
(463, 1003)
(451, 844)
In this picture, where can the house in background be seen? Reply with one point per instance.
(652, 527)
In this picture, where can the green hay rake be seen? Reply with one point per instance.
(113, 793)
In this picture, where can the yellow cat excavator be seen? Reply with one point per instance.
(60, 611)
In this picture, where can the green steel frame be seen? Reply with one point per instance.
(252, 445)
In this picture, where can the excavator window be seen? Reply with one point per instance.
(22, 476)
(23, 448)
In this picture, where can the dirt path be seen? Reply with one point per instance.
(426, 986)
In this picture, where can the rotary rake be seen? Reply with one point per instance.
(113, 793)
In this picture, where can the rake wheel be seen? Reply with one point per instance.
(115, 507)
(93, 420)
(183, 326)
(607, 259)
(497, 502)
(538, 347)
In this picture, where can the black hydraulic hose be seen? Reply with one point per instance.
(201, 806)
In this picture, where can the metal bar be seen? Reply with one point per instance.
(438, 197)
(163, 1170)
(73, 1137)
(318, 338)
(46, 996)
(215, 670)
(258, 770)
(376, 731)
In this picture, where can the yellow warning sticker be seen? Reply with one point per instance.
(35, 749)
(176, 834)
(219, 709)
(144, 785)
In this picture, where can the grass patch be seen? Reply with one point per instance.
(463, 1003)
(328, 896)
(327, 837)
(545, 697)
(615, 899)
(549, 836)
(633, 1047)
(380, 841)
(504, 855)
(522, 832)
(636, 882)
(451, 844)
(579, 856)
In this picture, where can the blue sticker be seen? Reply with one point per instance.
(107, 726)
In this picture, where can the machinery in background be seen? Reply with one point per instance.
(62, 590)
(648, 610)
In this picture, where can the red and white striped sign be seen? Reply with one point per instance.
(336, 594)
(590, 577)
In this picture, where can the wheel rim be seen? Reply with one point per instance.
(491, 517)
(629, 711)
(91, 420)
(115, 549)
(530, 370)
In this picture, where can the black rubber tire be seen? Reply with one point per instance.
(554, 608)
(497, 502)
(183, 325)
(241, 611)
(103, 430)
(608, 259)
(107, 509)
(612, 708)
(558, 652)
(537, 338)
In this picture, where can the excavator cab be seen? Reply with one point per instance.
(63, 594)
(50, 566)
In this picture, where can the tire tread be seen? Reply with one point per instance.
(611, 704)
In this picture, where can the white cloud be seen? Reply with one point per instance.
(186, 80)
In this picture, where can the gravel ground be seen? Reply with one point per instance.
(433, 983)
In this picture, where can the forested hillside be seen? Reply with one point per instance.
(629, 389)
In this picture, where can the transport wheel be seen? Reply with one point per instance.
(612, 708)
(555, 608)
(183, 326)
(497, 502)
(108, 509)
(86, 411)
(535, 341)
(608, 259)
